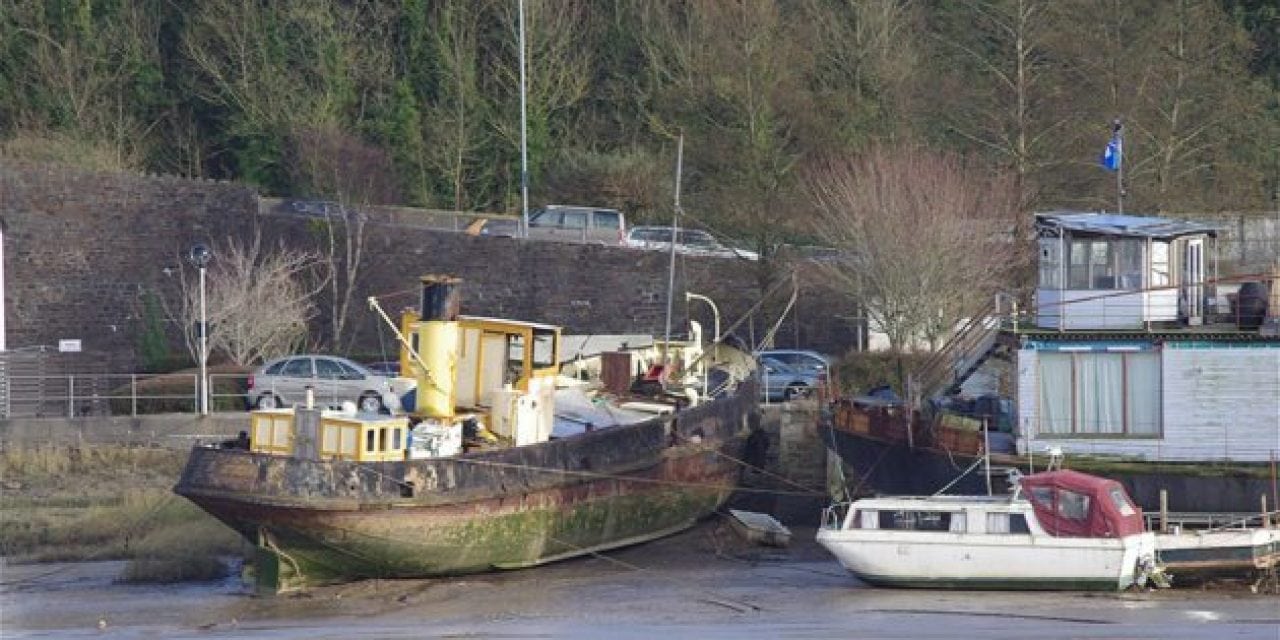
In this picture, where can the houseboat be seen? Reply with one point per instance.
(480, 476)
(1057, 530)
(1135, 362)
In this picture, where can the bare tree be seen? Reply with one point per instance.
(922, 236)
(336, 165)
(456, 118)
(730, 74)
(1007, 104)
(258, 302)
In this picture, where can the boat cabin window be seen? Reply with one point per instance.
(1122, 502)
(1007, 523)
(515, 359)
(1160, 264)
(1069, 504)
(1073, 505)
(544, 348)
(1043, 496)
(920, 520)
(1105, 264)
(1050, 269)
(866, 519)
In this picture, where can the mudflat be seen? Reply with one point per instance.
(704, 583)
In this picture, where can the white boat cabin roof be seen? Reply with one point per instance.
(940, 503)
(1112, 224)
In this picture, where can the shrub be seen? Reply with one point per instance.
(860, 371)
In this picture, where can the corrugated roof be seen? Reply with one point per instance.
(1123, 225)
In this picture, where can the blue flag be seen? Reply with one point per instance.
(1111, 156)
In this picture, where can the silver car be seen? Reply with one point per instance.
(781, 381)
(283, 382)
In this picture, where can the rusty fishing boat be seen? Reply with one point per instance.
(485, 472)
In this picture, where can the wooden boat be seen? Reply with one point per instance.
(473, 480)
(760, 528)
(1057, 530)
(1219, 552)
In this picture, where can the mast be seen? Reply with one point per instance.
(671, 269)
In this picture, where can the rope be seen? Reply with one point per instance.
(959, 477)
(806, 490)
(737, 605)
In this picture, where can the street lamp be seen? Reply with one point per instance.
(715, 339)
(714, 310)
(199, 255)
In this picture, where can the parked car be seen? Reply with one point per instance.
(566, 223)
(688, 242)
(780, 381)
(390, 368)
(800, 359)
(283, 382)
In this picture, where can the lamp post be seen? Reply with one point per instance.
(715, 311)
(200, 256)
(715, 339)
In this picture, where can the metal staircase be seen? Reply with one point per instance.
(974, 342)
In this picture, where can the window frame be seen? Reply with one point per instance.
(1129, 386)
(287, 370)
(606, 214)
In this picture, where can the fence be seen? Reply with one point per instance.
(409, 217)
(28, 394)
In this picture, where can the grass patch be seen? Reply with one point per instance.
(108, 502)
(50, 465)
(191, 549)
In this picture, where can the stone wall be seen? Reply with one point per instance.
(81, 248)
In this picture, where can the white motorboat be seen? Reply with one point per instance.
(1057, 530)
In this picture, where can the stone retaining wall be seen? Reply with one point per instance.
(82, 249)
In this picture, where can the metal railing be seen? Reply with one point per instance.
(75, 395)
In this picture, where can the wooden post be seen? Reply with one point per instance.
(1266, 515)
(1164, 511)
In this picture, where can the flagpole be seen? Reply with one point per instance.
(524, 142)
(1117, 130)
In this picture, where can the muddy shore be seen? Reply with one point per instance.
(704, 583)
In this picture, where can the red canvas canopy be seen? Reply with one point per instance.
(1073, 504)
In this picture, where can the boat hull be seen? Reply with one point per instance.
(945, 560)
(316, 521)
(887, 464)
(1220, 552)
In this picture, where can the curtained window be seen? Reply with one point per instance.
(1111, 394)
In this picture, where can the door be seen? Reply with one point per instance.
(295, 377)
(1193, 282)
